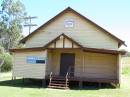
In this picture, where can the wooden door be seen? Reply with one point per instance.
(67, 62)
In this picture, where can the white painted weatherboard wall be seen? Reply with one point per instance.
(83, 32)
(26, 70)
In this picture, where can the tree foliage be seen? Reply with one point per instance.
(11, 19)
(7, 60)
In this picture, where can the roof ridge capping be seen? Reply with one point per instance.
(120, 42)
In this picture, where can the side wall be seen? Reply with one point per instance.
(89, 65)
(99, 66)
(27, 70)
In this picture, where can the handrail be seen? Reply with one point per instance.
(67, 78)
(67, 75)
(50, 78)
(69, 71)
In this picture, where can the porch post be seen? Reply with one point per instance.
(119, 69)
(83, 63)
(80, 84)
(43, 82)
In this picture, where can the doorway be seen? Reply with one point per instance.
(67, 62)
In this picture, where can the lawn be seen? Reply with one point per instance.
(16, 88)
(126, 61)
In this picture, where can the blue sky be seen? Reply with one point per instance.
(113, 15)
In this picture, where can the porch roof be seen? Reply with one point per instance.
(93, 50)
(85, 49)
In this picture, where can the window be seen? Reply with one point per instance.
(69, 23)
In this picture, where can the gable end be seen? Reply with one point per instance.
(120, 42)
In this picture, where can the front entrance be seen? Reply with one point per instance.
(67, 62)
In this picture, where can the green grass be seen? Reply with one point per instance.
(126, 71)
(126, 61)
(16, 88)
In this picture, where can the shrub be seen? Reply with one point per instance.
(7, 65)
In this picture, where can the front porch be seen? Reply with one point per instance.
(87, 67)
(80, 80)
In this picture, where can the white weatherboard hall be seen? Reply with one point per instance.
(69, 47)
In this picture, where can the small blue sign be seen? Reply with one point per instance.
(35, 60)
(31, 59)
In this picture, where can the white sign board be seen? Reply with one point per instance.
(35, 60)
(69, 23)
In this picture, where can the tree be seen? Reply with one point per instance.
(5, 60)
(12, 13)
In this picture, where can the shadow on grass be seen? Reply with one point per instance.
(38, 84)
(19, 83)
(91, 86)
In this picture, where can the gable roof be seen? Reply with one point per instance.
(120, 42)
(58, 37)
